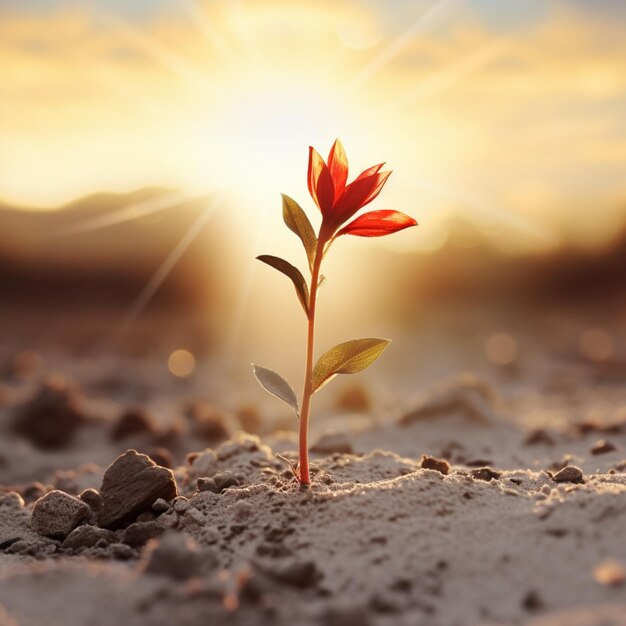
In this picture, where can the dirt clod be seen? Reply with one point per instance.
(433, 463)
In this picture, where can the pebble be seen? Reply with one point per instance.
(207, 484)
(160, 505)
(180, 504)
(433, 463)
(569, 474)
(92, 498)
(57, 513)
(223, 480)
(134, 421)
(51, 418)
(485, 473)
(602, 447)
(86, 536)
(130, 486)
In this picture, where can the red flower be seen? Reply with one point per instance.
(338, 202)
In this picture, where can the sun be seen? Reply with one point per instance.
(254, 139)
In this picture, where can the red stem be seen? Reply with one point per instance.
(307, 394)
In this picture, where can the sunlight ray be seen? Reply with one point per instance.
(168, 59)
(485, 209)
(157, 279)
(243, 298)
(426, 20)
(456, 72)
(127, 213)
(195, 13)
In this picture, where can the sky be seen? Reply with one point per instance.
(510, 115)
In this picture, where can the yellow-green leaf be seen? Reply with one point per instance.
(276, 385)
(297, 221)
(350, 357)
(293, 273)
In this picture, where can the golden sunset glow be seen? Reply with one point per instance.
(518, 127)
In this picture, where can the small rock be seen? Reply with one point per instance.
(122, 552)
(134, 421)
(91, 498)
(160, 506)
(433, 463)
(51, 418)
(333, 443)
(569, 474)
(223, 480)
(130, 486)
(139, 533)
(87, 536)
(485, 473)
(146, 516)
(180, 504)
(33, 492)
(178, 557)
(539, 436)
(57, 513)
(207, 484)
(602, 447)
(161, 456)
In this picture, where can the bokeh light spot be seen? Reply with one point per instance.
(181, 363)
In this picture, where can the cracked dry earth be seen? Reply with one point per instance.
(515, 527)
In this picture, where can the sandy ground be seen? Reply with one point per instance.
(497, 533)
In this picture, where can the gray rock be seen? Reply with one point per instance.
(569, 474)
(87, 536)
(57, 514)
(130, 486)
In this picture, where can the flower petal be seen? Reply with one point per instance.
(320, 182)
(359, 192)
(338, 166)
(378, 224)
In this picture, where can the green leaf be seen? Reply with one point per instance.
(297, 221)
(292, 272)
(350, 357)
(276, 385)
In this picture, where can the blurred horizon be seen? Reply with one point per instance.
(511, 117)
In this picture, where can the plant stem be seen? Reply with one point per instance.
(308, 376)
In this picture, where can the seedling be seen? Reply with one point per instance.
(338, 202)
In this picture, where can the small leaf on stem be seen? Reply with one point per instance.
(350, 357)
(297, 221)
(321, 281)
(276, 385)
(293, 273)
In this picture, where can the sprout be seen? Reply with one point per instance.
(338, 202)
